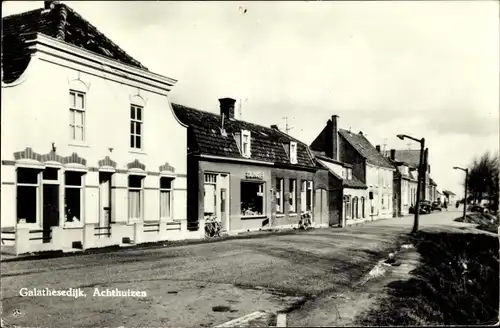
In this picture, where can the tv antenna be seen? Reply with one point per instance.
(240, 113)
(287, 127)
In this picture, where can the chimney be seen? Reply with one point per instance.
(378, 148)
(50, 4)
(227, 108)
(274, 126)
(360, 133)
(335, 138)
(393, 154)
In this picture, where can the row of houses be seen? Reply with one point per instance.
(94, 154)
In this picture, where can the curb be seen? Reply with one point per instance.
(244, 319)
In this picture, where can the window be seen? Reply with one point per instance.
(209, 193)
(73, 194)
(306, 196)
(355, 207)
(293, 152)
(292, 200)
(77, 115)
(349, 174)
(344, 173)
(252, 198)
(347, 207)
(136, 121)
(135, 197)
(27, 195)
(245, 143)
(165, 197)
(279, 195)
(363, 207)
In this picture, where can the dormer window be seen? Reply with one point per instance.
(349, 174)
(245, 143)
(293, 152)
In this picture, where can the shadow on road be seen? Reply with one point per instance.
(456, 283)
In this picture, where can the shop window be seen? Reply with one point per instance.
(279, 195)
(73, 194)
(166, 197)
(210, 196)
(252, 198)
(27, 195)
(292, 200)
(135, 189)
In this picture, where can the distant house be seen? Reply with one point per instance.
(412, 157)
(248, 176)
(450, 196)
(433, 196)
(369, 167)
(405, 186)
(82, 165)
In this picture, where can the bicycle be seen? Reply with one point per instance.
(212, 227)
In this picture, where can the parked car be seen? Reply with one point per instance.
(436, 206)
(476, 208)
(425, 207)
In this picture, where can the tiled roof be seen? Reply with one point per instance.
(60, 22)
(267, 144)
(432, 182)
(322, 155)
(410, 156)
(354, 183)
(365, 149)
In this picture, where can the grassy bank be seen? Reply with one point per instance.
(457, 283)
(484, 221)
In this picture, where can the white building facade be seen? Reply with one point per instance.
(92, 153)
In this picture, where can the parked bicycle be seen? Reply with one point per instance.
(212, 227)
(305, 221)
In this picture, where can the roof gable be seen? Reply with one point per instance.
(60, 22)
(267, 144)
(410, 156)
(365, 149)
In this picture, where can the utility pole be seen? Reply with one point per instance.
(287, 128)
(424, 173)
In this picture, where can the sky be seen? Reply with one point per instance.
(423, 68)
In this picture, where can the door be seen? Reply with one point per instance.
(105, 204)
(224, 202)
(50, 210)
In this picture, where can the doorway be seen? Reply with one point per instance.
(224, 202)
(104, 204)
(50, 210)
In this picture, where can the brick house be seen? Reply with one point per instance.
(368, 166)
(404, 186)
(248, 176)
(67, 182)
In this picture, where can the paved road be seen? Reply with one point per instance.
(183, 284)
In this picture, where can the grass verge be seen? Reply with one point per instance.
(456, 283)
(484, 221)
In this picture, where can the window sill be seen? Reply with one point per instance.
(78, 144)
(28, 226)
(137, 151)
(72, 225)
(292, 214)
(253, 217)
(133, 222)
(280, 215)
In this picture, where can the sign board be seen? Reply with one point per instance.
(254, 175)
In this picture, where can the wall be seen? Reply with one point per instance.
(349, 155)
(375, 183)
(237, 172)
(287, 218)
(41, 111)
(357, 193)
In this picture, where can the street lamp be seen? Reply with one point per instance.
(466, 177)
(421, 173)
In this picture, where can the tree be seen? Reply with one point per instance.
(483, 179)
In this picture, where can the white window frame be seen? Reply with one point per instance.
(136, 122)
(171, 198)
(141, 198)
(82, 191)
(210, 179)
(292, 194)
(38, 195)
(303, 196)
(246, 151)
(73, 108)
(349, 174)
(280, 183)
(293, 152)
